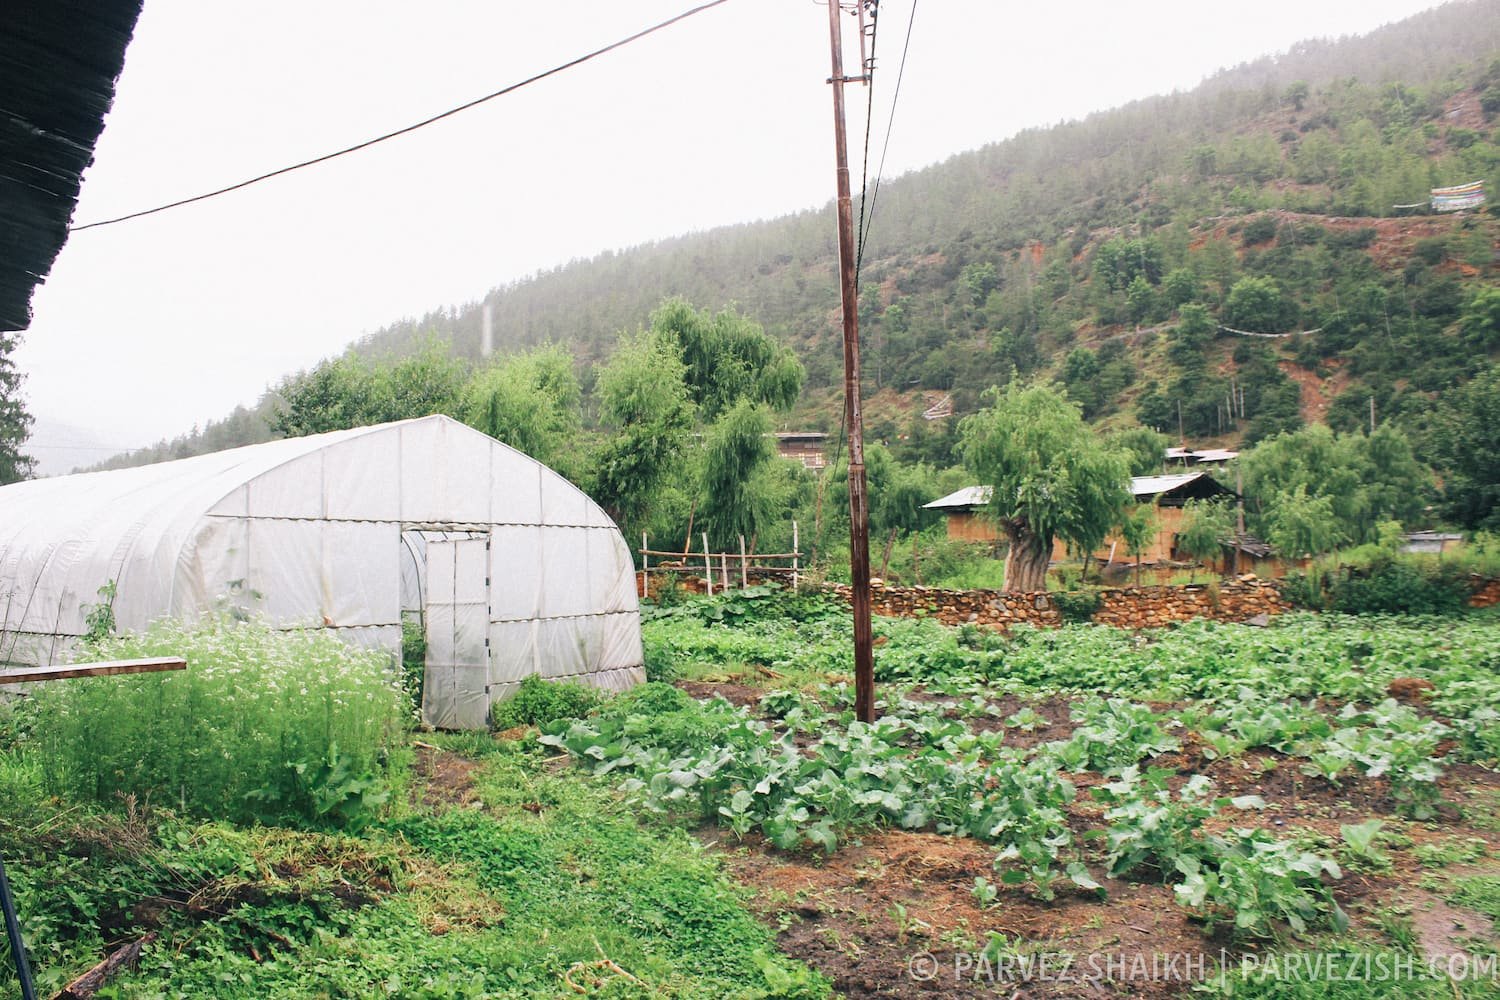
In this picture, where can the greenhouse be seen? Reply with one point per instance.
(508, 569)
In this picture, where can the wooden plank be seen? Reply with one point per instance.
(102, 668)
(89, 984)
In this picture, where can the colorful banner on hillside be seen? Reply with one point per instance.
(1456, 199)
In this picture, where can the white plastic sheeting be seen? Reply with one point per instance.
(517, 570)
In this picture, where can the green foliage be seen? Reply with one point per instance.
(531, 402)
(1144, 448)
(1258, 305)
(728, 358)
(15, 421)
(353, 392)
(1392, 585)
(99, 619)
(1051, 476)
(538, 701)
(1076, 605)
(739, 499)
(284, 726)
(1260, 882)
(1465, 442)
(1205, 526)
(413, 661)
(644, 396)
(1320, 487)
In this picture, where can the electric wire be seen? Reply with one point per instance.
(864, 174)
(889, 125)
(413, 127)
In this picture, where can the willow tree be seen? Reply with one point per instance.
(531, 402)
(1050, 477)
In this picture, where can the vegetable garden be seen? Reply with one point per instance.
(1157, 811)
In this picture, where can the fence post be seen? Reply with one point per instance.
(645, 567)
(708, 565)
(744, 566)
(795, 553)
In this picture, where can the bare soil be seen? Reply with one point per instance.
(893, 913)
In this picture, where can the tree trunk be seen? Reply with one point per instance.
(1026, 562)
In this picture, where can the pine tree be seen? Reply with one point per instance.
(15, 422)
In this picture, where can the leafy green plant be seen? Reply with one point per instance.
(243, 733)
(1360, 844)
(99, 619)
(539, 701)
(1259, 883)
(1076, 605)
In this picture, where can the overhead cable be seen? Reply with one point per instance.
(413, 127)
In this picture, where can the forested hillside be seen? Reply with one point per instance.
(1112, 253)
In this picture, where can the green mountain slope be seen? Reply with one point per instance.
(1110, 252)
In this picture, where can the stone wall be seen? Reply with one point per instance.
(1128, 607)
(1486, 592)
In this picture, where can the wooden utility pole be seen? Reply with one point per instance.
(859, 506)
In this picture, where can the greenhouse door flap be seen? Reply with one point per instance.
(456, 611)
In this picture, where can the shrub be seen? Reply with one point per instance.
(1400, 586)
(263, 725)
(1076, 605)
(537, 702)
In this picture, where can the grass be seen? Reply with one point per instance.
(553, 881)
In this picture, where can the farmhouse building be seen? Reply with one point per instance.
(965, 510)
(509, 569)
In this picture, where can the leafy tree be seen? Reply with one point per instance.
(979, 280)
(1050, 477)
(1205, 526)
(15, 422)
(1080, 376)
(739, 448)
(1179, 286)
(1481, 319)
(1257, 304)
(1138, 530)
(531, 402)
(351, 392)
(643, 396)
(1465, 441)
(1303, 525)
(1194, 331)
(1144, 449)
(728, 358)
(1366, 479)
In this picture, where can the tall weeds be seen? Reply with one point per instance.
(263, 725)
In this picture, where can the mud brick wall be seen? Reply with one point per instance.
(1129, 607)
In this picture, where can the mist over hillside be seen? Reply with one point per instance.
(1091, 236)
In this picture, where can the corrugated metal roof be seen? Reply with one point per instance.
(969, 496)
(1150, 486)
(58, 67)
(1141, 486)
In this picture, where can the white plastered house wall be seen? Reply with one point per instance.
(514, 569)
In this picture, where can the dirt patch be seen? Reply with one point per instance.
(1443, 930)
(443, 778)
(1317, 393)
(894, 915)
(742, 695)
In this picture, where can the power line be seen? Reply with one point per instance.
(891, 121)
(864, 173)
(413, 127)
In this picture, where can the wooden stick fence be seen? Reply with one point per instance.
(760, 564)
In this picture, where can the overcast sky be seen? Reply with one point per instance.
(145, 328)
